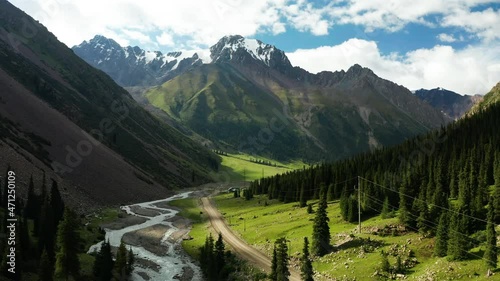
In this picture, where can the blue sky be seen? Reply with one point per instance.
(420, 44)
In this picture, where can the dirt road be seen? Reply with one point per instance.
(239, 246)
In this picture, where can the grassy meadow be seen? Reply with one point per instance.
(237, 167)
(357, 256)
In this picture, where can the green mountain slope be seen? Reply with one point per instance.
(35, 62)
(219, 103)
(250, 108)
(489, 99)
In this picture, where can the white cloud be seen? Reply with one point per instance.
(144, 39)
(278, 28)
(201, 22)
(486, 23)
(393, 15)
(447, 38)
(165, 39)
(473, 70)
(304, 17)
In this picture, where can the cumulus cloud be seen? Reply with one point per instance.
(304, 17)
(165, 39)
(197, 24)
(202, 22)
(394, 15)
(486, 23)
(447, 38)
(473, 70)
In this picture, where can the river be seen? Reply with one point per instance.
(170, 265)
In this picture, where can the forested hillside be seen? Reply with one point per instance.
(452, 174)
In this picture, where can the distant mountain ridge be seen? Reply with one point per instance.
(450, 103)
(328, 116)
(133, 66)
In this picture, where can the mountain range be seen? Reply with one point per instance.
(64, 120)
(249, 98)
(133, 66)
(450, 103)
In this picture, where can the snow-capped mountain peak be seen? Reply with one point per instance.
(233, 47)
(128, 64)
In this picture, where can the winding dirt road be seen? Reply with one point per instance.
(239, 246)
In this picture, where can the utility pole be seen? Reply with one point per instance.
(359, 207)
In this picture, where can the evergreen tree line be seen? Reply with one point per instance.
(105, 268)
(418, 179)
(52, 255)
(280, 262)
(220, 152)
(213, 259)
(50, 249)
(263, 162)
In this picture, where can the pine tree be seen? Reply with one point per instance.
(45, 269)
(491, 253)
(310, 209)
(321, 230)
(248, 194)
(352, 209)
(67, 262)
(344, 205)
(399, 267)
(386, 210)
(220, 261)
(103, 264)
(457, 243)
(405, 216)
(385, 266)
(302, 199)
(274, 265)
(441, 247)
(56, 203)
(423, 220)
(282, 272)
(496, 192)
(46, 235)
(121, 262)
(207, 258)
(330, 193)
(130, 261)
(306, 269)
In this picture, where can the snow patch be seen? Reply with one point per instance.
(150, 56)
(258, 50)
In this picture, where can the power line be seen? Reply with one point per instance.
(412, 197)
(465, 251)
(379, 202)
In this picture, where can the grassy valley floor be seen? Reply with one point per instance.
(357, 257)
(239, 167)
